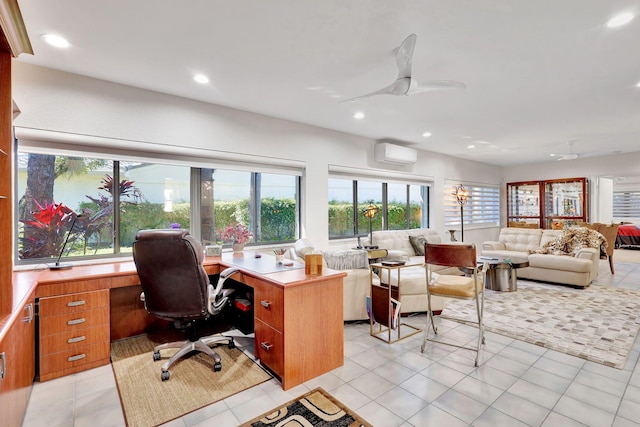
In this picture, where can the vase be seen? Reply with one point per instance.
(238, 247)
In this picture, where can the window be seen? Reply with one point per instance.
(626, 204)
(99, 204)
(119, 198)
(401, 206)
(267, 203)
(481, 209)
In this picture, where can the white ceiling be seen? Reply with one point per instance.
(539, 74)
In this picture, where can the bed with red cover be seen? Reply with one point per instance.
(628, 235)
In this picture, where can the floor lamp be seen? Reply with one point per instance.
(462, 197)
(371, 212)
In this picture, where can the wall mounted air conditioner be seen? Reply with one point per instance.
(396, 154)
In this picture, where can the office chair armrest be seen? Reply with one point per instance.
(218, 297)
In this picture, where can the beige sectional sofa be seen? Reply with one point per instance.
(578, 270)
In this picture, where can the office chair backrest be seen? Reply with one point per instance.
(173, 279)
(450, 255)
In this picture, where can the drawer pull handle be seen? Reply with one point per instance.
(266, 304)
(266, 346)
(75, 303)
(76, 321)
(76, 339)
(76, 357)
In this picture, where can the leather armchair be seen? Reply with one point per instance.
(176, 287)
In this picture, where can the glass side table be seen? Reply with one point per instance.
(385, 322)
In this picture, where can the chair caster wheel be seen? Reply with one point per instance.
(217, 367)
(156, 356)
(165, 375)
(232, 344)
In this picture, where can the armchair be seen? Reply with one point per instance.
(176, 287)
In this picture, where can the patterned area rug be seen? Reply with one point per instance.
(598, 323)
(316, 408)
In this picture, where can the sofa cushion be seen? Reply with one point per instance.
(399, 239)
(418, 242)
(520, 239)
(412, 280)
(560, 262)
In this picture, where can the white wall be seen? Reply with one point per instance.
(63, 102)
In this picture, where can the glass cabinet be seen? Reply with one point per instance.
(555, 203)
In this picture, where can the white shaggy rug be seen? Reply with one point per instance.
(598, 323)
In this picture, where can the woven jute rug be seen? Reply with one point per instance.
(315, 408)
(148, 401)
(598, 323)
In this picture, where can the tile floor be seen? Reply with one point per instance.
(517, 384)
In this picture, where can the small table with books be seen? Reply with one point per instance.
(385, 303)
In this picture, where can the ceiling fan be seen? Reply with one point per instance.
(405, 84)
(570, 155)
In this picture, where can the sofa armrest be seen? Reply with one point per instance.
(588, 253)
(397, 255)
(493, 246)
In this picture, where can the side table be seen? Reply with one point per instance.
(501, 273)
(386, 303)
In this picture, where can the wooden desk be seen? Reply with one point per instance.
(298, 317)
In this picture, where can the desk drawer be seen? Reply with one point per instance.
(73, 339)
(73, 303)
(269, 347)
(74, 321)
(72, 359)
(268, 302)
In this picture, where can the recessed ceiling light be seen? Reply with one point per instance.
(201, 78)
(619, 20)
(426, 134)
(471, 146)
(552, 155)
(638, 84)
(56, 41)
(359, 115)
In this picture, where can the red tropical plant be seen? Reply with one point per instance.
(45, 232)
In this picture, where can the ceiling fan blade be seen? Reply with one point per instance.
(399, 87)
(435, 85)
(404, 56)
(568, 157)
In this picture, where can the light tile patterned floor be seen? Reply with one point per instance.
(517, 384)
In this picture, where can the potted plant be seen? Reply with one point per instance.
(238, 235)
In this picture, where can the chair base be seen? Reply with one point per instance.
(185, 347)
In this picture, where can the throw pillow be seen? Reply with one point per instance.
(303, 247)
(418, 244)
(347, 259)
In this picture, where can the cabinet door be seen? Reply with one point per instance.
(18, 361)
(269, 347)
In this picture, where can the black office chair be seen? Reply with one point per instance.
(176, 287)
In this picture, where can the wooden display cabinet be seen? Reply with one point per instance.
(554, 203)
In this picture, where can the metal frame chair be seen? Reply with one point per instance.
(461, 287)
